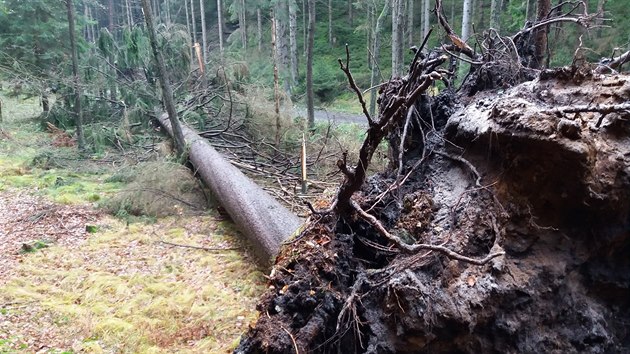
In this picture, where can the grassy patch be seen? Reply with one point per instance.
(124, 291)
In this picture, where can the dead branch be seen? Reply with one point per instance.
(583, 20)
(346, 69)
(419, 246)
(460, 44)
(612, 64)
(200, 247)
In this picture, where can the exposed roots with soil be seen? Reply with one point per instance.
(500, 226)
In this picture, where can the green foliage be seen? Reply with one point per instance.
(34, 247)
(327, 80)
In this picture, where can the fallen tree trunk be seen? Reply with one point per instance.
(261, 218)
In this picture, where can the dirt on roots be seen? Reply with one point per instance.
(514, 171)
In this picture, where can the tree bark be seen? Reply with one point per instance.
(304, 26)
(397, 37)
(527, 6)
(293, 52)
(368, 32)
(495, 14)
(189, 29)
(426, 22)
(243, 23)
(167, 92)
(410, 22)
(128, 12)
(540, 37)
(281, 15)
(193, 20)
(351, 13)
(276, 79)
(466, 19)
(220, 25)
(376, 52)
(310, 98)
(330, 29)
(204, 33)
(263, 221)
(78, 112)
(110, 58)
(110, 16)
(482, 14)
(260, 32)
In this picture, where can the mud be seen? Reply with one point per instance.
(504, 170)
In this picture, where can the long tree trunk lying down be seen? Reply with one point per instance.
(261, 218)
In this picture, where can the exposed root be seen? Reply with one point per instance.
(420, 246)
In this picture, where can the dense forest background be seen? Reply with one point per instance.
(237, 46)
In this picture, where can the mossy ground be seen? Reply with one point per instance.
(122, 289)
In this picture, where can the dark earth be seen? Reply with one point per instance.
(501, 170)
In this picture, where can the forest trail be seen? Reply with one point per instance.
(74, 279)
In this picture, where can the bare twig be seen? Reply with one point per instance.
(346, 69)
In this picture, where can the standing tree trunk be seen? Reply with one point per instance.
(281, 15)
(88, 28)
(351, 13)
(220, 25)
(167, 92)
(467, 19)
(260, 32)
(304, 26)
(293, 52)
(599, 21)
(193, 20)
(426, 21)
(110, 57)
(204, 42)
(482, 13)
(540, 36)
(397, 37)
(410, 22)
(368, 32)
(276, 79)
(376, 52)
(243, 23)
(527, 5)
(128, 12)
(110, 16)
(78, 113)
(310, 98)
(495, 14)
(188, 29)
(330, 30)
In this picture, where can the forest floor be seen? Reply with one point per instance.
(75, 279)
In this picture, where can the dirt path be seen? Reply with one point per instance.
(324, 115)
